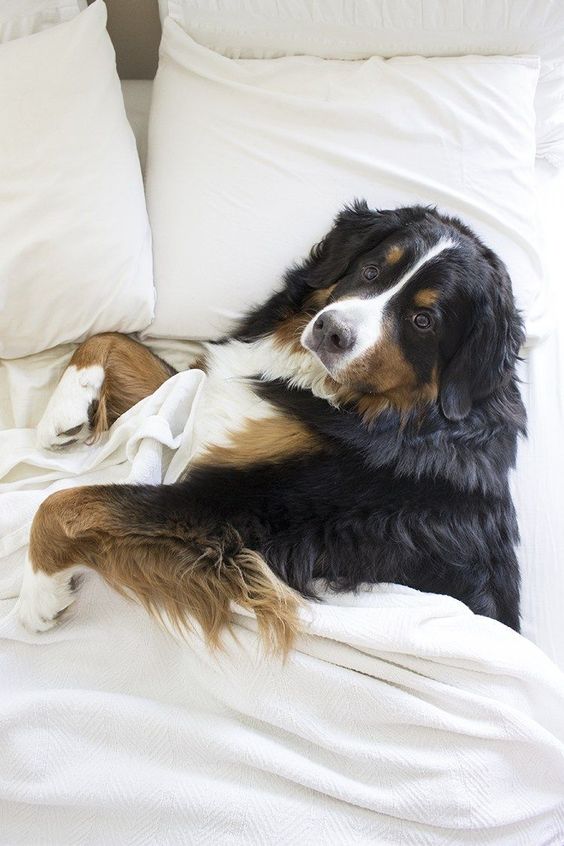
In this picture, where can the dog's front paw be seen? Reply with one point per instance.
(68, 417)
(43, 598)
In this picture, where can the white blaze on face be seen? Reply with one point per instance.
(366, 316)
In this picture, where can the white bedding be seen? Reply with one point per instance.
(74, 228)
(110, 731)
(383, 726)
(26, 384)
(315, 134)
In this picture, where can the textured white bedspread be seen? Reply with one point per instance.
(400, 718)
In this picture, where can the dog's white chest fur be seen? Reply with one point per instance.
(229, 401)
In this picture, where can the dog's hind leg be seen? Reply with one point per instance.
(107, 375)
(143, 544)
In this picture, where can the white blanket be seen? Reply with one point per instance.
(400, 718)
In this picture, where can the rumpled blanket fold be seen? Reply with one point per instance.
(399, 718)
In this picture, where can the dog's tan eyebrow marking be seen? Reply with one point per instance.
(394, 254)
(367, 313)
(426, 297)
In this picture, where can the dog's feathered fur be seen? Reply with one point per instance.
(361, 486)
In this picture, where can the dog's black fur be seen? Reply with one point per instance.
(421, 500)
(392, 468)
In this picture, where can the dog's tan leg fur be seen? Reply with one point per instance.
(106, 376)
(131, 373)
(176, 570)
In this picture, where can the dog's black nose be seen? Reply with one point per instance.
(332, 334)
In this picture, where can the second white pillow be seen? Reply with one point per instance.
(249, 161)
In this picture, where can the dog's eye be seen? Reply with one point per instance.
(422, 321)
(370, 272)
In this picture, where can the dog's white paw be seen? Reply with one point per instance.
(43, 598)
(69, 411)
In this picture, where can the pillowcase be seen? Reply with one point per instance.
(76, 248)
(250, 160)
(333, 29)
(24, 17)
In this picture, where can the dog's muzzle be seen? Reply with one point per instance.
(330, 337)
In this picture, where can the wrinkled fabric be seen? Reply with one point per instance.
(333, 29)
(249, 161)
(400, 717)
(76, 254)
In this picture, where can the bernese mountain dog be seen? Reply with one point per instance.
(357, 428)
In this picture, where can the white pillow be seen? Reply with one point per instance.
(250, 160)
(333, 29)
(75, 253)
(24, 17)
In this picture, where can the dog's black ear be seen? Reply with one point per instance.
(456, 385)
(486, 358)
(357, 228)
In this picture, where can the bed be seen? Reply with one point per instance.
(26, 385)
(382, 726)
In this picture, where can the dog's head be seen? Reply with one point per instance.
(414, 308)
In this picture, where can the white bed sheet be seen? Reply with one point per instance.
(114, 732)
(538, 484)
(379, 727)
